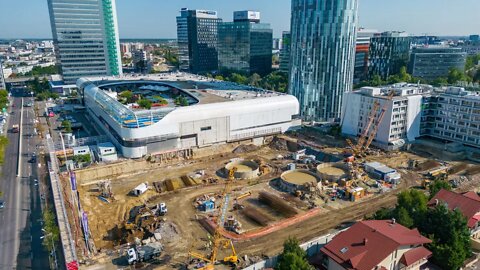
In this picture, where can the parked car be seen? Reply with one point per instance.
(2, 204)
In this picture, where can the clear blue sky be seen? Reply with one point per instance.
(156, 18)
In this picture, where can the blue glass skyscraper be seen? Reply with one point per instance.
(322, 56)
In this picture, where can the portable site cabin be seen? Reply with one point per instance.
(382, 172)
(107, 152)
(140, 189)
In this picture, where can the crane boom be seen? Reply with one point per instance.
(374, 132)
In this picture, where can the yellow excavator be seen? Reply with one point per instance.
(218, 239)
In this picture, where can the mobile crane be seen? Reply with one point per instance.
(218, 239)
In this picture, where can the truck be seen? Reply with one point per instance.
(15, 128)
(144, 253)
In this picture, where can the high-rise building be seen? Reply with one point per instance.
(2, 78)
(197, 37)
(434, 62)
(389, 52)
(323, 34)
(361, 53)
(85, 35)
(245, 45)
(285, 52)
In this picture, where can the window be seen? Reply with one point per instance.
(205, 128)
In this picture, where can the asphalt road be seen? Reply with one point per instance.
(20, 220)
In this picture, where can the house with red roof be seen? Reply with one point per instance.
(374, 244)
(468, 203)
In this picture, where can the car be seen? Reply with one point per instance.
(2, 204)
(35, 182)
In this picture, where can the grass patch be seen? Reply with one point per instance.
(3, 147)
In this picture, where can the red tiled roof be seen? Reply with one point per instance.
(468, 203)
(414, 255)
(367, 243)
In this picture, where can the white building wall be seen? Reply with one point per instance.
(351, 114)
(414, 114)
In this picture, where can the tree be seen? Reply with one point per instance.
(67, 126)
(219, 78)
(238, 78)
(52, 233)
(254, 80)
(145, 103)
(403, 75)
(403, 217)
(415, 202)
(441, 81)
(293, 257)
(438, 185)
(449, 234)
(456, 75)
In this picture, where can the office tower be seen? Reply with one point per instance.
(362, 49)
(389, 52)
(285, 52)
(85, 35)
(2, 78)
(197, 37)
(323, 34)
(434, 62)
(245, 45)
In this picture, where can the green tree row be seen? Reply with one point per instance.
(52, 233)
(3, 98)
(38, 71)
(447, 229)
(41, 89)
(454, 75)
(275, 81)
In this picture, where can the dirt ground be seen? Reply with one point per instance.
(187, 233)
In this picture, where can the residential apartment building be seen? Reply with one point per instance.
(433, 62)
(401, 121)
(197, 37)
(389, 51)
(323, 35)
(245, 45)
(376, 244)
(451, 114)
(86, 39)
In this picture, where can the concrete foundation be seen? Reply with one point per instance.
(246, 169)
(333, 172)
(291, 181)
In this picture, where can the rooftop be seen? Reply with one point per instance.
(468, 203)
(164, 91)
(367, 243)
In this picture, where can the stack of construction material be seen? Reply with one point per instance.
(277, 203)
(256, 216)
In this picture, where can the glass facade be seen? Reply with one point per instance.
(389, 52)
(245, 47)
(431, 63)
(322, 56)
(285, 52)
(85, 35)
(197, 35)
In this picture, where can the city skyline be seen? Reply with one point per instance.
(432, 17)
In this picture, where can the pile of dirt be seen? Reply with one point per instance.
(245, 148)
(169, 232)
(473, 170)
(281, 144)
(458, 168)
(427, 165)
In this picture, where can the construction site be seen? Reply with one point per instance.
(236, 203)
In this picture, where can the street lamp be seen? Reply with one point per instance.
(53, 246)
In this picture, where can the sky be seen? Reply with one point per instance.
(156, 18)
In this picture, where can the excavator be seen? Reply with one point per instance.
(218, 239)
